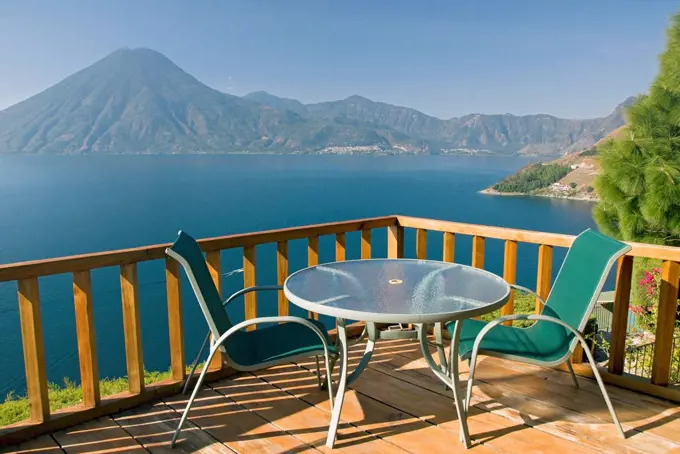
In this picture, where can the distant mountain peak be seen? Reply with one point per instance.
(259, 93)
(358, 98)
(136, 100)
(625, 104)
(277, 102)
(133, 101)
(138, 52)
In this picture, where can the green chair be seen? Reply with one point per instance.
(551, 340)
(283, 340)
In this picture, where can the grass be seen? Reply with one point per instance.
(525, 303)
(16, 408)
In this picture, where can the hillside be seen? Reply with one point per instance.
(529, 134)
(138, 101)
(569, 177)
(575, 181)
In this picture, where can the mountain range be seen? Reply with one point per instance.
(138, 101)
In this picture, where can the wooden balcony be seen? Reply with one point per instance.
(396, 406)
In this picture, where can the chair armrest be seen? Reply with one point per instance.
(483, 332)
(278, 319)
(256, 288)
(528, 290)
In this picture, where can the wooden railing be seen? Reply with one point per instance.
(27, 276)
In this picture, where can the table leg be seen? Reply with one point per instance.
(342, 384)
(457, 395)
(368, 352)
(439, 341)
(453, 381)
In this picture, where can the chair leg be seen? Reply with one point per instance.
(318, 373)
(329, 364)
(193, 367)
(573, 375)
(191, 401)
(600, 383)
(329, 374)
(471, 378)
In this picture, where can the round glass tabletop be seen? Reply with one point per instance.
(396, 290)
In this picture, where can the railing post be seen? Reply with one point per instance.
(312, 260)
(421, 244)
(510, 276)
(87, 346)
(249, 280)
(175, 326)
(366, 244)
(340, 253)
(132, 327)
(34, 349)
(449, 246)
(617, 346)
(478, 252)
(544, 276)
(395, 242)
(665, 323)
(282, 274)
(340, 247)
(214, 261)
(312, 251)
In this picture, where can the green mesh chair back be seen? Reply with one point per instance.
(575, 291)
(188, 253)
(582, 276)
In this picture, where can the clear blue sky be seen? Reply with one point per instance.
(571, 58)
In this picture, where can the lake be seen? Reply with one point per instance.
(55, 206)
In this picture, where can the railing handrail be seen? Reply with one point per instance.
(90, 261)
(654, 251)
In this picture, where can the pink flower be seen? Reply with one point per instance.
(638, 310)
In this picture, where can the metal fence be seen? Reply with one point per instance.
(639, 360)
(603, 314)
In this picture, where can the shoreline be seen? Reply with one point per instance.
(489, 191)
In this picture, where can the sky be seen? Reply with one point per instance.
(569, 58)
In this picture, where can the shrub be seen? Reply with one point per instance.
(533, 177)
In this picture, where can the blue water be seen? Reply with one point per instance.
(55, 206)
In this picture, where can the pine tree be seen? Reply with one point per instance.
(639, 186)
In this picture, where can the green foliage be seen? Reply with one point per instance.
(639, 186)
(16, 408)
(525, 303)
(589, 189)
(590, 152)
(572, 185)
(533, 177)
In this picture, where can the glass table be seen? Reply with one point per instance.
(393, 291)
